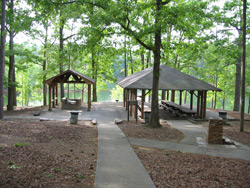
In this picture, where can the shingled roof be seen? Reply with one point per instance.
(170, 79)
(65, 76)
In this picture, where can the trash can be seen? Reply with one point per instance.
(74, 117)
(223, 115)
(147, 116)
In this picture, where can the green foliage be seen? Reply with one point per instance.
(79, 176)
(198, 38)
(21, 144)
(117, 93)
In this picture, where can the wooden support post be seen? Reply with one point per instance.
(167, 94)
(50, 109)
(124, 97)
(205, 104)
(202, 105)
(180, 102)
(74, 91)
(53, 96)
(163, 95)
(191, 99)
(142, 103)
(127, 99)
(172, 95)
(131, 98)
(135, 107)
(89, 97)
(56, 94)
(68, 91)
(82, 93)
(198, 106)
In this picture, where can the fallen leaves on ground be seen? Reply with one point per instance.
(47, 154)
(177, 169)
(139, 130)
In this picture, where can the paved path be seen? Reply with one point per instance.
(213, 150)
(117, 165)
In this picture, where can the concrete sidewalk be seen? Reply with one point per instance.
(117, 164)
(213, 150)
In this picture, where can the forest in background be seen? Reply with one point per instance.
(106, 41)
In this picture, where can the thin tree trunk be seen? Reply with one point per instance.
(185, 97)
(215, 98)
(142, 60)
(242, 110)
(125, 56)
(2, 54)
(248, 105)
(237, 86)
(94, 75)
(44, 66)
(148, 64)
(11, 60)
(131, 61)
(62, 22)
(14, 86)
(154, 121)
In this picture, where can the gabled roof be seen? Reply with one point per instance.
(65, 76)
(170, 79)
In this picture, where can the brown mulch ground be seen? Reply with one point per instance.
(233, 131)
(47, 154)
(176, 169)
(139, 130)
(24, 111)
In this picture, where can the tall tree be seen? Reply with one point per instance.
(11, 80)
(2, 55)
(242, 111)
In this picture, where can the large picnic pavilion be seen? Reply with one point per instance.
(70, 77)
(170, 80)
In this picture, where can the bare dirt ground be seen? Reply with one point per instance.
(47, 154)
(233, 131)
(176, 169)
(139, 130)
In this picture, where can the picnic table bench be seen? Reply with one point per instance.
(178, 109)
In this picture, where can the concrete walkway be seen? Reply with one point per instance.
(117, 165)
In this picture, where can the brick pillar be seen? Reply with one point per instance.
(215, 131)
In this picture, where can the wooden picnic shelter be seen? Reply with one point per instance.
(71, 77)
(170, 80)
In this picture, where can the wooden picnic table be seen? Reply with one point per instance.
(178, 109)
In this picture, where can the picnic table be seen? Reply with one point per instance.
(177, 109)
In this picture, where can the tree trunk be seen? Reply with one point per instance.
(125, 57)
(44, 67)
(154, 121)
(2, 54)
(248, 110)
(14, 86)
(62, 22)
(237, 86)
(10, 105)
(131, 61)
(94, 75)
(242, 109)
(185, 97)
(148, 59)
(212, 102)
(215, 99)
(142, 60)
